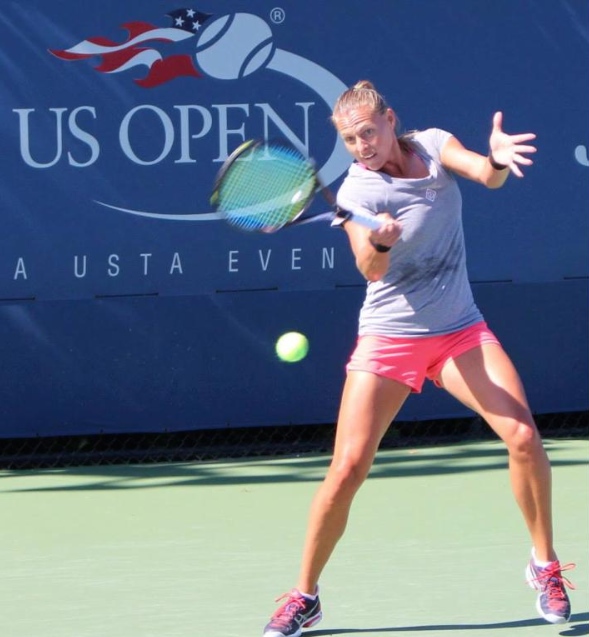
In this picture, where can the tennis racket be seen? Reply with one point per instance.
(266, 185)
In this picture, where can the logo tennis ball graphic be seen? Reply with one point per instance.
(234, 46)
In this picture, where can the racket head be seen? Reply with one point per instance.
(264, 185)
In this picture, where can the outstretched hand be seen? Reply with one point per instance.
(510, 150)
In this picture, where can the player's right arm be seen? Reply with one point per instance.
(372, 261)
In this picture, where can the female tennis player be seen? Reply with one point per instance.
(419, 321)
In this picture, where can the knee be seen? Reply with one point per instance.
(346, 477)
(523, 441)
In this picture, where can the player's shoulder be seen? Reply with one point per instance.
(430, 140)
(359, 178)
(429, 136)
(358, 171)
(360, 186)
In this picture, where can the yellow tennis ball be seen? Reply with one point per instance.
(292, 347)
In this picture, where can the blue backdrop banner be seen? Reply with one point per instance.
(127, 305)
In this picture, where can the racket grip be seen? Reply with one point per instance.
(363, 217)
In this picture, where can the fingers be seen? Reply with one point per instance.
(506, 153)
(522, 137)
(524, 149)
(510, 150)
(387, 221)
(389, 232)
(515, 170)
(504, 139)
(498, 128)
(521, 159)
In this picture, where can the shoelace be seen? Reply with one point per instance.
(554, 581)
(286, 613)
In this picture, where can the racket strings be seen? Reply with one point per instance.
(266, 188)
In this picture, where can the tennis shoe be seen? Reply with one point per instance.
(553, 602)
(296, 613)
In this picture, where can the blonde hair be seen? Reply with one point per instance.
(363, 93)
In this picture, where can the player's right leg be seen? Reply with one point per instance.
(368, 406)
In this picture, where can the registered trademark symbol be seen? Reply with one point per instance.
(277, 15)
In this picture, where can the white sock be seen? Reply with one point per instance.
(310, 597)
(538, 562)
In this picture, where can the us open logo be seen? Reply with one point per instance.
(228, 48)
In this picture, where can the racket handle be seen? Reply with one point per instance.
(361, 216)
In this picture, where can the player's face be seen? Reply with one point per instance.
(368, 136)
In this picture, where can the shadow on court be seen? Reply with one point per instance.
(569, 630)
(398, 463)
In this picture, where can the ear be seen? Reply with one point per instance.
(391, 117)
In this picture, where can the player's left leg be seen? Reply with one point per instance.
(484, 379)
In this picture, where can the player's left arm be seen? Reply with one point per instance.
(506, 154)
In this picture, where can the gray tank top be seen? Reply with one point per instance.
(425, 291)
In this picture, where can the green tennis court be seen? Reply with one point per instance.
(435, 546)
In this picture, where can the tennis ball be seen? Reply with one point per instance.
(292, 347)
(233, 46)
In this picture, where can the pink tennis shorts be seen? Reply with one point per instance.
(411, 360)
